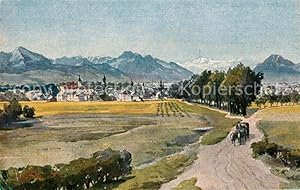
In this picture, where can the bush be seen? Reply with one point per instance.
(106, 97)
(28, 112)
(272, 149)
(102, 167)
(294, 157)
(259, 148)
(13, 109)
(289, 157)
(4, 119)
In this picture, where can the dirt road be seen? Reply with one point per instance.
(223, 166)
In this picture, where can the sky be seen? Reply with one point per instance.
(177, 30)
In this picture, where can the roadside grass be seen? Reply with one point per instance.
(188, 185)
(281, 125)
(152, 177)
(292, 184)
(289, 175)
(55, 108)
(222, 126)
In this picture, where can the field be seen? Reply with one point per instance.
(154, 132)
(56, 108)
(282, 125)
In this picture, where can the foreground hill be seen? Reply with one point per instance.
(25, 66)
(278, 69)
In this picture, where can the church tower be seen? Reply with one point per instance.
(79, 83)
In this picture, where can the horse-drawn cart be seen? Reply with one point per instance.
(241, 133)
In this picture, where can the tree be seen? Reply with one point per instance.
(215, 81)
(258, 103)
(262, 100)
(174, 91)
(202, 81)
(271, 98)
(235, 89)
(28, 112)
(13, 109)
(294, 97)
(243, 85)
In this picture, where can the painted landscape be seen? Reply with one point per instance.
(146, 95)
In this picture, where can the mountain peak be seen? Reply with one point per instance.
(129, 54)
(148, 57)
(276, 68)
(22, 58)
(20, 48)
(275, 59)
(21, 52)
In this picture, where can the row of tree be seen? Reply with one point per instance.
(12, 112)
(233, 90)
(292, 98)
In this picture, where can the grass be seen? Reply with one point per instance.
(188, 185)
(152, 177)
(147, 141)
(55, 108)
(282, 125)
(284, 133)
(222, 126)
(146, 144)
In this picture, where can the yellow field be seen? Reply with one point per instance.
(282, 125)
(113, 107)
(282, 113)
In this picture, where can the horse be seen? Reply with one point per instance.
(233, 137)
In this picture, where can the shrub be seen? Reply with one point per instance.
(259, 148)
(14, 109)
(289, 157)
(103, 166)
(272, 149)
(294, 157)
(28, 112)
(4, 119)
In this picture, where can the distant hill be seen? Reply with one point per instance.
(278, 69)
(24, 66)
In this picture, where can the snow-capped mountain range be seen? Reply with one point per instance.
(201, 64)
(24, 66)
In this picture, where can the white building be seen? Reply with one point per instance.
(72, 91)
